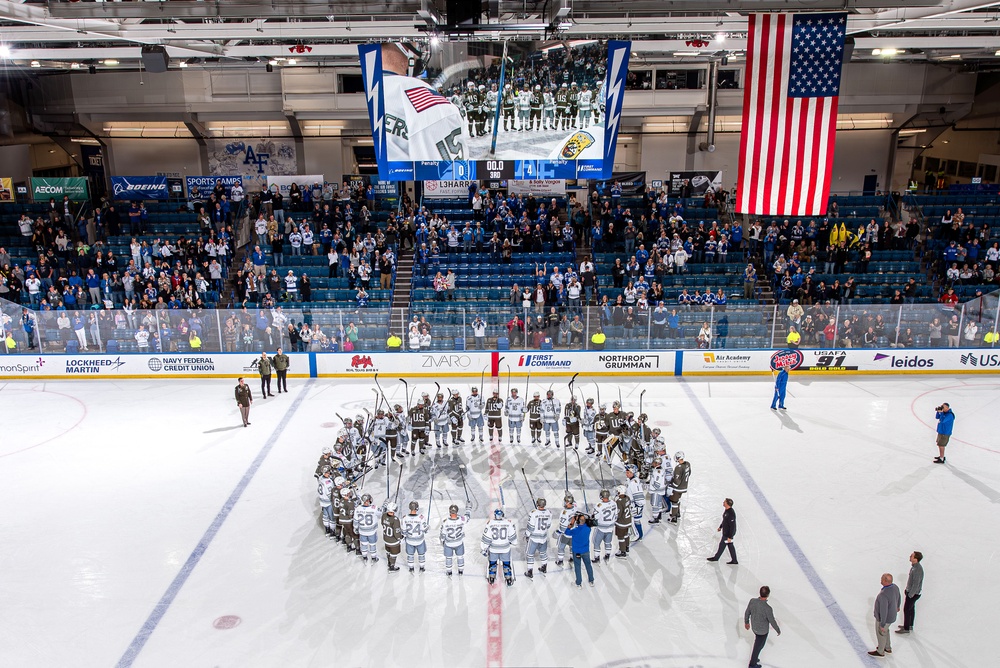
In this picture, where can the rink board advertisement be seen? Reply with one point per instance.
(472, 364)
(137, 365)
(431, 121)
(446, 189)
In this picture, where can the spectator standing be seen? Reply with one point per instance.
(728, 529)
(281, 364)
(946, 423)
(579, 533)
(760, 617)
(886, 609)
(914, 585)
(479, 332)
(264, 369)
(244, 397)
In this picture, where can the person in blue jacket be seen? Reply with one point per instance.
(946, 422)
(579, 533)
(780, 385)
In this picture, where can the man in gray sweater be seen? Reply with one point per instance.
(886, 609)
(914, 584)
(761, 617)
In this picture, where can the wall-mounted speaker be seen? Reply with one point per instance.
(155, 58)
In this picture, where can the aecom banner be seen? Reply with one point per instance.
(42, 189)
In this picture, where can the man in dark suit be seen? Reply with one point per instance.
(728, 529)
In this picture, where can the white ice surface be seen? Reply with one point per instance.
(106, 489)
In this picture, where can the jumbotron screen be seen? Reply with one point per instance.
(494, 110)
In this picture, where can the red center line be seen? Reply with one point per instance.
(494, 609)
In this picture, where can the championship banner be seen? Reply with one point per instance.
(6, 190)
(447, 189)
(205, 184)
(284, 183)
(543, 187)
(42, 189)
(140, 187)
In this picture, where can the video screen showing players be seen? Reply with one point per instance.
(494, 110)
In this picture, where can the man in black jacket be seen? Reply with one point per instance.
(728, 529)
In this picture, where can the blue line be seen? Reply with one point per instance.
(130, 655)
(850, 633)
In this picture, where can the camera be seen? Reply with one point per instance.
(939, 408)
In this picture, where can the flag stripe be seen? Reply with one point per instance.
(790, 113)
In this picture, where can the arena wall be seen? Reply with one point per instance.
(471, 364)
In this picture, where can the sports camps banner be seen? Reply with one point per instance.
(205, 184)
(44, 188)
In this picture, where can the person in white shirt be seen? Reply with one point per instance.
(295, 240)
(291, 285)
(260, 227)
(413, 337)
(142, 339)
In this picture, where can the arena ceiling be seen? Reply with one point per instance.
(247, 33)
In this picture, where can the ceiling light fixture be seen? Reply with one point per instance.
(75, 66)
(110, 61)
(182, 64)
(720, 36)
(4, 51)
(687, 53)
(35, 63)
(292, 61)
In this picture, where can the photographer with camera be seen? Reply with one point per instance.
(579, 533)
(946, 422)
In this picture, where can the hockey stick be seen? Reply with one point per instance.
(527, 384)
(566, 467)
(598, 386)
(573, 380)
(438, 386)
(640, 401)
(382, 392)
(508, 379)
(461, 470)
(482, 378)
(583, 485)
(399, 481)
(528, 485)
(406, 392)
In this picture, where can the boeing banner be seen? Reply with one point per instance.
(140, 187)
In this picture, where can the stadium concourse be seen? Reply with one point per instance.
(165, 534)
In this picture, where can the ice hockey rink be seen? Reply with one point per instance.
(144, 526)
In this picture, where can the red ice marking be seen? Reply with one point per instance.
(328, 425)
(494, 609)
(227, 622)
(933, 428)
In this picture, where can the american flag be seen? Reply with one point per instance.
(424, 98)
(790, 113)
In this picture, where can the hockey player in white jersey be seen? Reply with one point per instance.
(366, 525)
(442, 423)
(474, 411)
(420, 123)
(453, 538)
(548, 109)
(379, 426)
(633, 488)
(551, 408)
(514, 411)
(537, 536)
(586, 98)
(587, 423)
(606, 513)
(348, 431)
(659, 480)
(499, 536)
(415, 533)
(324, 492)
(563, 541)
(599, 102)
(524, 109)
(491, 106)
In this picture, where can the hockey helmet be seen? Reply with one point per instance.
(440, 395)
(453, 509)
(380, 412)
(470, 85)
(630, 415)
(358, 419)
(506, 86)
(366, 500)
(425, 395)
(475, 390)
(568, 500)
(398, 408)
(496, 391)
(348, 421)
(346, 492)
(537, 394)
(565, 85)
(391, 507)
(656, 431)
(339, 481)
(679, 455)
(643, 417)
(498, 514)
(630, 470)
(620, 490)
(454, 393)
(657, 461)
(574, 84)
(590, 402)
(326, 471)
(605, 494)
(548, 393)
(327, 450)
(603, 407)
(414, 506)
(513, 390)
(616, 404)
(585, 85)
(482, 87)
(540, 503)
(538, 87)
